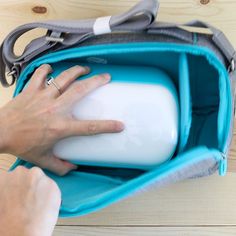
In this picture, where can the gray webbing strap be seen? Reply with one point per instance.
(62, 34)
(136, 19)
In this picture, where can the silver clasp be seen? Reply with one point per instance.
(54, 39)
(231, 67)
(54, 36)
(12, 72)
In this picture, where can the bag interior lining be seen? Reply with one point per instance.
(197, 107)
(203, 104)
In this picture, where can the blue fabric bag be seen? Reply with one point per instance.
(200, 65)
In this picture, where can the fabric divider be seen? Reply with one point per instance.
(185, 101)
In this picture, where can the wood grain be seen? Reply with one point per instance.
(200, 207)
(144, 231)
(204, 202)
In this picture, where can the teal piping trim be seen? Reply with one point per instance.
(132, 186)
(195, 38)
(150, 46)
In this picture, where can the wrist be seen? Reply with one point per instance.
(2, 141)
(3, 135)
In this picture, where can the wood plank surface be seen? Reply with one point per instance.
(203, 202)
(196, 207)
(144, 231)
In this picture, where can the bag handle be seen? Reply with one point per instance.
(68, 33)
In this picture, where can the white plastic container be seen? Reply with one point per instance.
(145, 100)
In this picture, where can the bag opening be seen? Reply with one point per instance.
(204, 94)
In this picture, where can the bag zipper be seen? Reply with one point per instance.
(223, 164)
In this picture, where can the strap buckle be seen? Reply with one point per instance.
(54, 39)
(15, 71)
(11, 72)
(54, 36)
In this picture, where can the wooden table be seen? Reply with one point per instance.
(201, 207)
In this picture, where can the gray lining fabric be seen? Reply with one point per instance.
(199, 169)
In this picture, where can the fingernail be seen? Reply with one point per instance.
(120, 126)
(74, 167)
(70, 165)
(106, 77)
(87, 69)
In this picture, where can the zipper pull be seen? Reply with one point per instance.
(223, 165)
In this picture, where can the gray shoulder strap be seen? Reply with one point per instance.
(136, 19)
(63, 34)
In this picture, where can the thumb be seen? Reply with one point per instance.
(56, 165)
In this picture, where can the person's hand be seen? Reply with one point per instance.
(29, 203)
(37, 118)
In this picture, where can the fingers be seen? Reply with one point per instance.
(80, 89)
(66, 78)
(56, 165)
(37, 176)
(36, 171)
(49, 162)
(91, 127)
(38, 78)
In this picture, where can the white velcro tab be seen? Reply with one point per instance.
(102, 25)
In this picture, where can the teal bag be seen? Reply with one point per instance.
(201, 67)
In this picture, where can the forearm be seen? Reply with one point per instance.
(14, 127)
(9, 123)
(3, 142)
